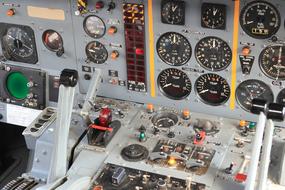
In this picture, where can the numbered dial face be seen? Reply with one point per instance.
(212, 89)
(96, 52)
(174, 49)
(213, 53)
(19, 43)
(272, 61)
(260, 19)
(174, 84)
(52, 40)
(173, 12)
(94, 26)
(251, 89)
(213, 16)
(281, 97)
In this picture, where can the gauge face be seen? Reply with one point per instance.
(174, 83)
(281, 97)
(52, 40)
(16, 84)
(213, 16)
(213, 53)
(272, 61)
(19, 43)
(174, 49)
(212, 89)
(173, 12)
(251, 89)
(260, 19)
(96, 52)
(94, 26)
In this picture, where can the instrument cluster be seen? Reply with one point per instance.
(258, 57)
(200, 55)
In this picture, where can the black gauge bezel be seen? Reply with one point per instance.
(88, 32)
(260, 63)
(179, 3)
(250, 81)
(222, 7)
(246, 7)
(9, 55)
(202, 64)
(166, 61)
(47, 46)
(279, 96)
(206, 101)
(91, 58)
(169, 96)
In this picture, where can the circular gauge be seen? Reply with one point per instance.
(251, 89)
(17, 85)
(260, 19)
(272, 61)
(174, 83)
(281, 97)
(52, 40)
(94, 26)
(18, 43)
(212, 89)
(213, 16)
(174, 49)
(213, 53)
(173, 12)
(96, 52)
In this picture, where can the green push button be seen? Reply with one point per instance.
(252, 125)
(16, 84)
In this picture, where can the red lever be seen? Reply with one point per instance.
(101, 128)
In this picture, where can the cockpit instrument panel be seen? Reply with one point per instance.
(188, 54)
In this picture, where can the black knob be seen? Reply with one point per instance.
(87, 77)
(258, 105)
(276, 112)
(1, 116)
(60, 52)
(111, 6)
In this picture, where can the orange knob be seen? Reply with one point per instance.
(242, 123)
(11, 12)
(150, 108)
(112, 30)
(246, 50)
(115, 54)
(186, 114)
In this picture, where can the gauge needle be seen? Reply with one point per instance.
(27, 46)
(91, 50)
(249, 93)
(203, 91)
(215, 11)
(214, 43)
(174, 39)
(167, 85)
(249, 22)
(9, 36)
(174, 8)
(280, 55)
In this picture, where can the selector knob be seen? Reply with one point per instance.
(246, 51)
(111, 6)
(11, 12)
(112, 30)
(115, 54)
